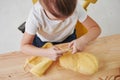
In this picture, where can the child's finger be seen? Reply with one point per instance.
(60, 52)
(74, 50)
(56, 48)
(70, 44)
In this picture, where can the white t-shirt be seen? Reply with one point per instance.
(52, 30)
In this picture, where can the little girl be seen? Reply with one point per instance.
(54, 21)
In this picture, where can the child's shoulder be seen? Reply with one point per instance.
(37, 9)
(37, 6)
(79, 5)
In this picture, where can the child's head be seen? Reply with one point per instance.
(59, 8)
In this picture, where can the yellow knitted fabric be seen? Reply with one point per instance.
(82, 62)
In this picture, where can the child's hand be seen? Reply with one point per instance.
(54, 52)
(77, 45)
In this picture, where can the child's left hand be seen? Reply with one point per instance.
(77, 45)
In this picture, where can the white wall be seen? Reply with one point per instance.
(107, 15)
(14, 12)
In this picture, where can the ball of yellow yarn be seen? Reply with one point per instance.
(82, 62)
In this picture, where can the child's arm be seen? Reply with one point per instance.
(28, 48)
(93, 32)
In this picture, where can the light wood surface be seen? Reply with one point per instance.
(106, 49)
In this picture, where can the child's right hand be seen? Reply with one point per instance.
(54, 52)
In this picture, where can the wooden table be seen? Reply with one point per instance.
(106, 49)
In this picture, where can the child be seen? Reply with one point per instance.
(54, 21)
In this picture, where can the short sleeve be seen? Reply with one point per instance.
(31, 22)
(82, 14)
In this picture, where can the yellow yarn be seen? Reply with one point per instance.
(82, 62)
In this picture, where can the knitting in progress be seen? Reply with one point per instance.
(82, 62)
